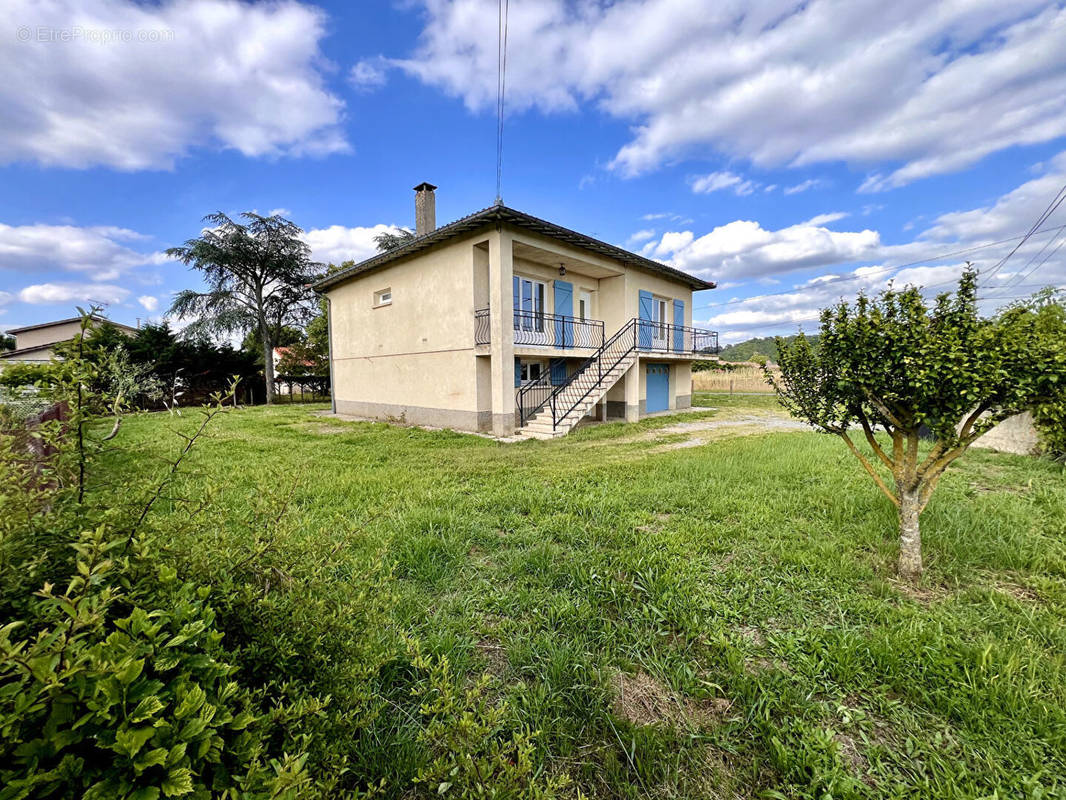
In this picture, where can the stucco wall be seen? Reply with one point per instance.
(37, 356)
(48, 335)
(414, 357)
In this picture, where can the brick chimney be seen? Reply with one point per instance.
(425, 209)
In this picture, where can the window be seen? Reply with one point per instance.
(528, 304)
(530, 371)
(584, 305)
(658, 315)
(382, 297)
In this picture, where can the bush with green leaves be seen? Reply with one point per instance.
(27, 373)
(115, 687)
(1050, 420)
(116, 684)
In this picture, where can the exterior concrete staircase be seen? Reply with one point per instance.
(568, 403)
(578, 400)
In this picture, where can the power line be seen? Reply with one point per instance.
(879, 270)
(501, 91)
(1051, 208)
(1018, 279)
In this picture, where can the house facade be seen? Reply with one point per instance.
(36, 343)
(503, 323)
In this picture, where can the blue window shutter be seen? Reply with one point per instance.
(517, 373)
(564, 307)
(645, 319)
(558, 368)
(679, 321)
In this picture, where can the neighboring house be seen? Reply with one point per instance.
(283, 385)
(36, 343)
(501, 322)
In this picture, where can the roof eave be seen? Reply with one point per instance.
(505, 215)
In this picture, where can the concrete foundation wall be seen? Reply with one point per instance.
(1015, 435)
(417, 415)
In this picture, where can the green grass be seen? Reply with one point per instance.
(747, 581)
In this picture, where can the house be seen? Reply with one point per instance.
(36, 343)
(501, 322)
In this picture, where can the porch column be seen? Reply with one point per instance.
(631, 383)
(501, 323)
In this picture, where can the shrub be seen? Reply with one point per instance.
(115, 688)
(19, 374)
(1050, 419)
(116, 685)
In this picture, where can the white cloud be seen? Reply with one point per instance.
(744, 249)
(86, 293)
(927, 88)
(1037, 264)
(368, 74)
(810, 183)
(279, 212)
(212, 73)
(102, 253)
(825, 219)
(641, 236)
(149, 302)
(716, 181)
(337, 243)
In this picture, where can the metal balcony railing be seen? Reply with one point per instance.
(661, 337)
(482, 331)
(533, 328)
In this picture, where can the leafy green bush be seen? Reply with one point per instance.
(26, 373)
(118, 684)
(115, 688)
(1050, 419)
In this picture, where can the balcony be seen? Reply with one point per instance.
(535, 329)
(675, 340)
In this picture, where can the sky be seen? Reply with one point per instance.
(794, 152)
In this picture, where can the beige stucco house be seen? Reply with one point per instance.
(501, 322)
(36, 343)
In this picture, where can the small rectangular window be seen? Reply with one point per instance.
(530, 371)
(382, 297)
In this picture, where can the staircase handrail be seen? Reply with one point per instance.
(597, 360)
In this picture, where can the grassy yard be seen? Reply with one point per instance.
(675, 620)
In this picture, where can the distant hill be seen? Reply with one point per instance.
(746, 351)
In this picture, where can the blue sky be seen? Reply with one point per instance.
(794, 152)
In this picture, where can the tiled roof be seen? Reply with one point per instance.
(503, 214)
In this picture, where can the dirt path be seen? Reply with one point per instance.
(728, 424)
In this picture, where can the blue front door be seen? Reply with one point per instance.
(658, 388)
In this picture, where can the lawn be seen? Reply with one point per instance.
(681, 615)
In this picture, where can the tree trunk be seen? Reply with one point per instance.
(910, 537)
(268, 363)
